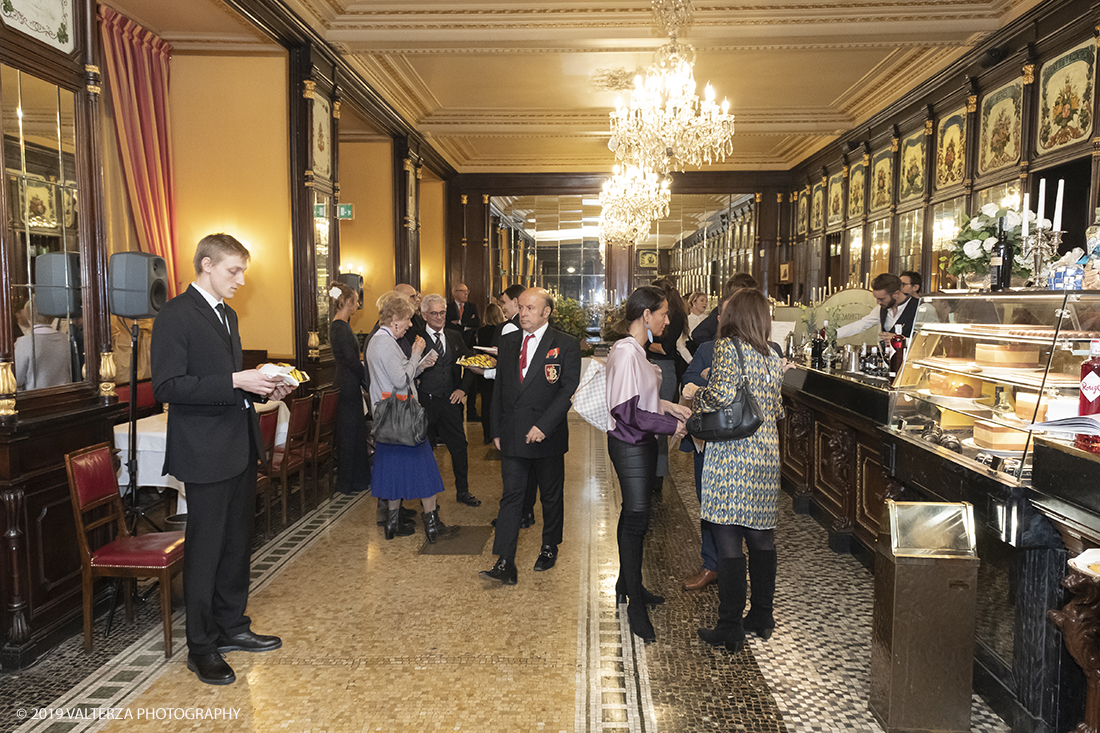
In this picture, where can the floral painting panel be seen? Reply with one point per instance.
(857, 184)
(803, 211)
(322, 137)
(836, 198)
(951, 149)
(1001, 115)
(911, 183)
(49, 21)
(817, 208)
(882, 179)
(1065, 98)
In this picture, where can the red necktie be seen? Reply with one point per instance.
(523, 356)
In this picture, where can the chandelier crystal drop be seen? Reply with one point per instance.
(631, 200)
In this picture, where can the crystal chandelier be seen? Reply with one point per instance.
(666, 126)
(632, 199)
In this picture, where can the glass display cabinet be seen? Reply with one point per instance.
(981, 369)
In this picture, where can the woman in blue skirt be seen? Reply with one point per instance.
(402, 471)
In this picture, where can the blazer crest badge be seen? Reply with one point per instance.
(553, 353)
(553, 373)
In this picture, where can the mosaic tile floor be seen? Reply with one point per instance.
(380, 637)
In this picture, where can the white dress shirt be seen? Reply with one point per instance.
(532, 345)
(872, 319)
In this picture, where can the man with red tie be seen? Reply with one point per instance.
(538, 370)
(462, 315)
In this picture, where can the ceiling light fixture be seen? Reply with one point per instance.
(632, 199)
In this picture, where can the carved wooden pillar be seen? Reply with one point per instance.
(18, 632)
(1079, 621)
(801, 441)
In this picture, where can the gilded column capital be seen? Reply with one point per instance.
(1029, 73)
(929, 127)
(308, 85)
(107, 374)
(7, 389)
(972, 103)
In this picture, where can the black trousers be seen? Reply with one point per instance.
(446, 423)
(218, 544)
(516, 474)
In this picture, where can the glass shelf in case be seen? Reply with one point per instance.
(983, 367)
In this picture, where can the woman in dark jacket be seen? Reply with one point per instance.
(488, 335)
(352, 458)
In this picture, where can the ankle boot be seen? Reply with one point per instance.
(731, 605)
(434, 527)
(640, 624)
(759, 620)
(394, 527)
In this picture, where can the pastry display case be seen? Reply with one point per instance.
(982, 368)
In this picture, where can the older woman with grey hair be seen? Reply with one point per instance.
(402, 471)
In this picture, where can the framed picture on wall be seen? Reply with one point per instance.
(857, 184)
(322, 137)
(1066, 86)
(999, 142)
(882, 179)
(784, 272)
(647, 259)
(836, 198)
(817, 208)
(951, 148)
(803, 210)
(912, 166)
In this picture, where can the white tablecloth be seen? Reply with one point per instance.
(152, 436)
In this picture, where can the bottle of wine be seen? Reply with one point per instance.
(1089, 401)
(897, 358)
(1000, 260)
(817, 360)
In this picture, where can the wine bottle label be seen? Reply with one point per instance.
(996, 261)
(1090, 386)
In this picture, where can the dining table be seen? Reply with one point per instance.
(152, 439)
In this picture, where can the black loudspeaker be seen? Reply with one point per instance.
(137, 284)
(57, 284)
(353, 281)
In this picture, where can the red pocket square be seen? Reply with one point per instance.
(553, 353)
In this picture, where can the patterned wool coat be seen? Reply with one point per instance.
(741, 477)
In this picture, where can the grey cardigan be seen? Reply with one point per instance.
(389, 367)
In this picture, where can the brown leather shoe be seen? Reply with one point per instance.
(701, 580)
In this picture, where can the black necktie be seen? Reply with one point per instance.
(438, 345)
(220, 308)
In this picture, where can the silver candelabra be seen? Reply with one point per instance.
(1043, 246)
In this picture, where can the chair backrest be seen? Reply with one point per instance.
(269, 428)
(297, 429)
(326, 416)
(93, 484)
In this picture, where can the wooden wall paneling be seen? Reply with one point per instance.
(798, 451)
(834, 476)
(301, 194)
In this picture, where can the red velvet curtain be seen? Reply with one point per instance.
(136, 64)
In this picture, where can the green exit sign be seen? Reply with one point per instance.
(345, 211)
(319, 211)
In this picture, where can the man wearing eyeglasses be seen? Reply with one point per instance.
(442, 387)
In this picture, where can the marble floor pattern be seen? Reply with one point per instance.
(378, 637)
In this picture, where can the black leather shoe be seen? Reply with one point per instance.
(547, 557)
(504, 571)
(408, 515)
(211, 669)
(469, 499)
(528, 520)
(248, 641)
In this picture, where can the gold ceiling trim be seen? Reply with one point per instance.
(349, 48)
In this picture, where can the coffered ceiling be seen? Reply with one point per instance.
(515, 86)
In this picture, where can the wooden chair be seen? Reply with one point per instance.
(269, 428)
(319, 449)
(93, 487)
(146, 403)
(290, 457)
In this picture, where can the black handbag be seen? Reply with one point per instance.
(400, 421)
(737, 419)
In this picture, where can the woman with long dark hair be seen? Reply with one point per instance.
(638, 416)
(352, 459)
(740, 495)
(661, 350)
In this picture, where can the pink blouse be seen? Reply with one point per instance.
(633, 395)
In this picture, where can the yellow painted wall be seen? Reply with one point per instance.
(367, 241)
(229, 136)
(433, 248)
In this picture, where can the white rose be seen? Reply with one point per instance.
(1012, 219)
(990, 209)
(1043, 224)
(988, 244)
(973, 249)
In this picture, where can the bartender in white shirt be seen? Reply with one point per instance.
(894, 307)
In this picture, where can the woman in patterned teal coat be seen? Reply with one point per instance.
(740, 497)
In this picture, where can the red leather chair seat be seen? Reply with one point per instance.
(293, 458)
(153, 550)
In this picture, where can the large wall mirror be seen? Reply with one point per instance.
(39, 138)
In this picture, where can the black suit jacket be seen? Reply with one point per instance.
(470, 318)
(542, 399)
(445, 376)
(209, 422)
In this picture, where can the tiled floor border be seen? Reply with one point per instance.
(131, 672)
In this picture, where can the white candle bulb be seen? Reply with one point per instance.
(1042, 202)
(1027, 203)
(1058, 205)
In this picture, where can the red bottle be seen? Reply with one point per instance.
(1089, 403)
(897, 358)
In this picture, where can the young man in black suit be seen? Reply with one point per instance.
(441, 387)
(538, 370)
(213, 446)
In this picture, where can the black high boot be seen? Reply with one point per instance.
(395, 527)
(759, 620)
(621, 596)
(731, 606)
(631, 539)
